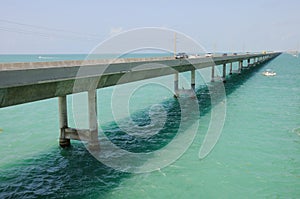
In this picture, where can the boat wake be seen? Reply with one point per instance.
(297, 131)
(44, 57)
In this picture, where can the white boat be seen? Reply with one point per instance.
(269, 72)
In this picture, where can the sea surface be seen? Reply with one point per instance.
(256, 156)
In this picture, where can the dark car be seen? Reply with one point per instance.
(234, 53)
(224, 54)
(181, 56)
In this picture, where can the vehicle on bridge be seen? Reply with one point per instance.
(181, 56)
(208, 55)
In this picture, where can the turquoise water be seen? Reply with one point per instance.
(257, 155)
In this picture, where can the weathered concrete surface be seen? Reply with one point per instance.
(27, 82)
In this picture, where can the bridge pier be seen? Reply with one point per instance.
(230, 70)
(240, 67)
(213, 73)
(63, 121)
(193, 80)
(248, 63)
(176, 93)
(190, 92)
(90, 135)
(93, 142)
(259, 60)
(224, 73)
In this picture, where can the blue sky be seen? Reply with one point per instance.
(77, 26)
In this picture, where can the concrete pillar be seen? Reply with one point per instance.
(240, 67)
(193, 80)
(176, 77)
(213, 73)
(248, 63)
(224, 73)
(93, 124)
(63, 121)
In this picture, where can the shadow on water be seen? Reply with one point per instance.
(74, 173)
(59, 173)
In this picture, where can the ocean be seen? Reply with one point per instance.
(256, 156)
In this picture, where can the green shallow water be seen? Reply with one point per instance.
(257, 155)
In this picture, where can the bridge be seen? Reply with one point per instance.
(32, 81)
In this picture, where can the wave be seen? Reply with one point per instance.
(296, 130)
(44, 57)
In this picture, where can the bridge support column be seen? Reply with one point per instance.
(193, 80)
(248, 63)
(63, 121)
(192, 90)
(176, 93)
(213, 73)
(240, 67)
(230, 70)
(93, 143)
(224, 73)
(90, 135)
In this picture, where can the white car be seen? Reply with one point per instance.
(208, 55)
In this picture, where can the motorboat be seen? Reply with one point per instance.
(269, 72)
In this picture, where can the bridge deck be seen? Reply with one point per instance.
(31, 81)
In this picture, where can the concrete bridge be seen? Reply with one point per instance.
(31, 81)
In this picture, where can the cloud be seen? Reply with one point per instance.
(114, 31)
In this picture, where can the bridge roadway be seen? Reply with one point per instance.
(27, 82)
